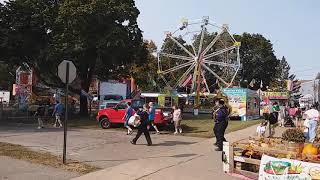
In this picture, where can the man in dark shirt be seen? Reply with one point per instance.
(143, 127)
(40, 114)
(221, 124)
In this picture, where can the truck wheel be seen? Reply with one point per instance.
(105, 123)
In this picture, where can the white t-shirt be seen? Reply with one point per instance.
(261, 129)
(306, 125)
(312, 114)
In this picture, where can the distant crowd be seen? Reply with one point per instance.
(305, 118)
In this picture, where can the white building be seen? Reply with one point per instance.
(310, 91)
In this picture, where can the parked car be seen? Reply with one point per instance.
(115, 115)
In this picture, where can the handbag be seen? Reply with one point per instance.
(134, 120)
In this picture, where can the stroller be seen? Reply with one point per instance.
(288, 122)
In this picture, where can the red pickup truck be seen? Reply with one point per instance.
(115, 115)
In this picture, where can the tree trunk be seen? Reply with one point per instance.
(83, 105)
(86, 72)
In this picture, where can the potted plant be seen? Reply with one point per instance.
(295, 138)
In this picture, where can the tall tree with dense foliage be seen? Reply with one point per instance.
(258, 59)
(100, 36)
(26, 33)
(282, 76)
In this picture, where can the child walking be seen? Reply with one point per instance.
(177, 117)
(261, 129)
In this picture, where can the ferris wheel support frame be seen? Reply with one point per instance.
(200, 59)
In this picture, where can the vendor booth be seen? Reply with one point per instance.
(244, 103)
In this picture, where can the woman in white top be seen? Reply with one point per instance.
(177, 117)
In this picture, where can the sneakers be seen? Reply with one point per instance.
(175, 133)
(39, 127)
(132, 142)
(180, 131)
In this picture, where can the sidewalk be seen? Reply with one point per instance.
(196, 161)
(13, 169)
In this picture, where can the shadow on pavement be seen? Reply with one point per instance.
(173, 143)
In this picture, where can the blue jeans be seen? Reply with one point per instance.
(312, 130)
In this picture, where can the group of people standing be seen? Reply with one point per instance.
(294, 116)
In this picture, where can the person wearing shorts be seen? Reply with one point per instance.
(152, 115)
(58, 112)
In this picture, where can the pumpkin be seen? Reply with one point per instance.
(310, 149)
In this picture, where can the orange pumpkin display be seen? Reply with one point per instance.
(310, 149)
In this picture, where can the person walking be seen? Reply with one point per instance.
(177, 117)
(58, 112)
(312, 115)
(152, 115)
(221, 124)
(273, 119)
(282, 115)
(128, 114)
(298, 117)
(40, 114)
(143, 127)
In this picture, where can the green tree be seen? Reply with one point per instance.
(258, 60)
(7, 77)
(26, 33)
(295, 91)
(145, 72)
(101, 37)
(282, 76)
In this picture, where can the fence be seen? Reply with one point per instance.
(12, 113)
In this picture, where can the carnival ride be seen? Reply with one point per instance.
(199, 55)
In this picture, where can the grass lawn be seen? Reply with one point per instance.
(196, 126)
(202, 126)
(47, 159)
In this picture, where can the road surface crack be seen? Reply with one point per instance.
(164, 168)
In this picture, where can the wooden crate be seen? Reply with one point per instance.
(231, 161)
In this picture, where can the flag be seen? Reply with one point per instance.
(186, 82)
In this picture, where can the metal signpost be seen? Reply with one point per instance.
(67, 73)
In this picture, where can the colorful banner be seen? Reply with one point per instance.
(237, 100)
(275, 95)
(283, 169)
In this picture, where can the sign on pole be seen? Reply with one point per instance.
(67, 73)
(62, 71)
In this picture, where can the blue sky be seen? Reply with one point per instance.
(291, 25)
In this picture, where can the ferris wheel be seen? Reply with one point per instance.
(198, 55)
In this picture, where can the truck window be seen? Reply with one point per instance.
(122, 105)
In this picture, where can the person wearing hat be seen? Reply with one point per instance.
(221, 123)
